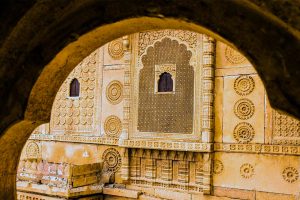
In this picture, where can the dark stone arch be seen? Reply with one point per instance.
(36, 32)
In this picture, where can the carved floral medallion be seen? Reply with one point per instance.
(247, 170)
(112, 126)
(244, 85)
(244, 109)
(243, 132)
(112, 160)
(115, 49)
(290, 174)
(114, 92)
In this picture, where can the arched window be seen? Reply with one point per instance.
(165, 83)
(74, 88)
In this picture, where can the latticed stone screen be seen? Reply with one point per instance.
(169, 112)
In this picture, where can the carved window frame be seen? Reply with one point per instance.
(159, 70)
(202, 61)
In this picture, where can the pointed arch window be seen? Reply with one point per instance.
(165, 83)
(74, 88)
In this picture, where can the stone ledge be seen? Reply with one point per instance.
(121, 192)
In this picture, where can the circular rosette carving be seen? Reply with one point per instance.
(243, 132)
(115, 49)
(218, 167)
(244, 109)
(244, 85)
(32, 150)
(290, 174)
(114, 92)
(113, 126)
(247, 170)
(112, 160)
(233, 56)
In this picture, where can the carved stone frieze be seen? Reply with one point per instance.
(176, 170)
(257, 148)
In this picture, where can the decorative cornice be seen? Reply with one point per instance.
(174, 145)
(76, 139)
(168, 145)
(257, 148)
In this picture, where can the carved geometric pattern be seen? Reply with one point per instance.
(157, 113)
(244, 85)
(148, 38)
(233, 56)
(218, 167)
(115, 49)
(32, 150)
(114, 92)
(247, 170)
(286, 129)
(112, 160)
(243, 132)
(76, 115)
(290, 174)
(244, 109)
(113, 126)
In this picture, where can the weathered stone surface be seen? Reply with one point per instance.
(35, 32)
(121, 192)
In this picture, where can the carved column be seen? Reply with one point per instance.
(207, 173)
(208, 88)
(126, 93)
(166, 171)
(150, 168)
(135, 164)
(183, 171)
(125, 166)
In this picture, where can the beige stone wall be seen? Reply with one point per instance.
(246, 126)
(238, 147)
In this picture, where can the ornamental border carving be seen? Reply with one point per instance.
(257, 148)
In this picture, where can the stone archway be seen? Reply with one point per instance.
(47, 32)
